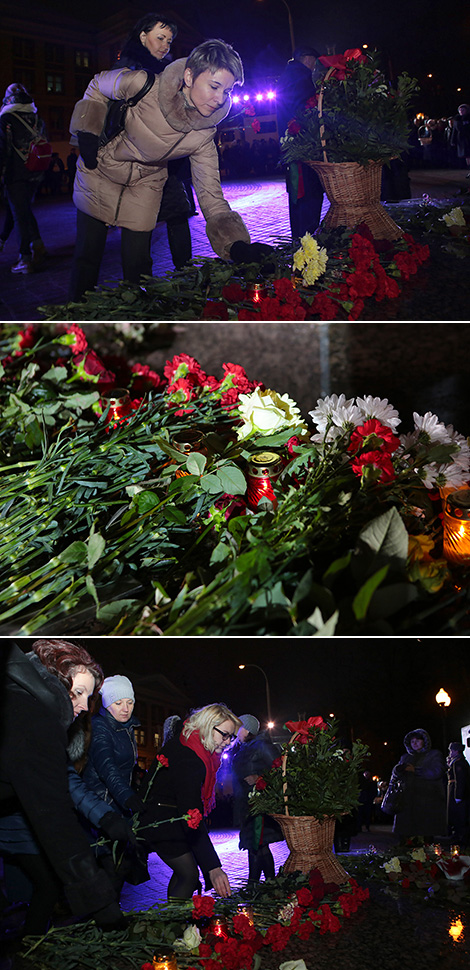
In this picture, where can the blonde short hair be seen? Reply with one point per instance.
(205, 719)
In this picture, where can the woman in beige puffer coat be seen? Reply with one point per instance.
(121, 183)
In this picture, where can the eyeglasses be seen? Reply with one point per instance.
(225, 736)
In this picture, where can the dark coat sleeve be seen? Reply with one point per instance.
(33, 764)
(86, 802)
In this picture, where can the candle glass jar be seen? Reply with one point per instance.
(119, 402)
(263, 469)
(164, 959)
(456, 525)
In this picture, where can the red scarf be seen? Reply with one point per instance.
(211, 762)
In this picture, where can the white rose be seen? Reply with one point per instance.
(266, 412)
(454, 218)
(293, 965)
(191, 937)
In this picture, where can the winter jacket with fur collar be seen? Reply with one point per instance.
(126, 187)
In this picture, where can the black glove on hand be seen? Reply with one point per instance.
(135, 804)
(116, 828)
(242, 252)
(88, 148)
(110, 918)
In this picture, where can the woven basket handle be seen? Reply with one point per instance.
(320, 108)
(284, 765)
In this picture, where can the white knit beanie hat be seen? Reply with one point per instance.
(115, 689)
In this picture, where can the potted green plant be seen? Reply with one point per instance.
(357, 122)
(314, 782)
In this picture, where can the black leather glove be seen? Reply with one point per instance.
(242, 252)
(135, 804)
(116, 828)
(110, 918)
(88, 148)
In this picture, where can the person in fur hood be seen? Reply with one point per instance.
(422, 773)
(121, 184)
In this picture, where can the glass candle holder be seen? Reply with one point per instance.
(256, 291)
(456, 524)
(263, 469)
(119, 402)
(164, 959)
(218, 927)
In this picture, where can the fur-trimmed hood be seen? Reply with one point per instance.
(174, 107)
(421, 733)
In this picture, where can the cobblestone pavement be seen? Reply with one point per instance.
(235, 864)
(262, 204)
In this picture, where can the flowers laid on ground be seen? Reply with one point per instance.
(425, 870)
(314, 775)
(363, 116)
(140, 512)
(310, 259)
(251, 929)
(341, 272)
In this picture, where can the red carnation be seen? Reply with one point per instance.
(375, 428)
(234, 293)
(80, 342)
(194, 818)
(163, 761)
(293, 127)
(203, 905)
(304, 896)
(215, 310)
(374, 460)
(260, 784)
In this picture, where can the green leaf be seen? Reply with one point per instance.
(57, 374)
(96, 546)
(109, 612)
(363, 597)
(76, 552)
(232, 480)
(146, 501)
(212, 484)
(196, 463)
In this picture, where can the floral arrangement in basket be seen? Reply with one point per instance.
(315, 775)
(357, 116)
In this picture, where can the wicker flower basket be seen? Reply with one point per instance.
(310, 842)
(353, 190)
(309, 839)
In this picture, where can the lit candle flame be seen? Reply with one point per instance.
(456, 928)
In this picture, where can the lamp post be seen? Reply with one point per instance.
(443, 699)
(292, 42)
(268, 694)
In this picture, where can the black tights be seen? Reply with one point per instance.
(45, 894)
(185, 879)
(259, 861)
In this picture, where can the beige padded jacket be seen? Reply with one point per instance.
(126, 187)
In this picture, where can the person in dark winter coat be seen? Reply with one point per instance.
(18, 114)
(44, 690)
(460, 137)
(256, 753)
(146, 49)
(296, 87)
(422, 772)
(458, 793)
(113, 750)
(193, 753)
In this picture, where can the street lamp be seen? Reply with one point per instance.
(443, 699)
(268, 694)
(292, 42)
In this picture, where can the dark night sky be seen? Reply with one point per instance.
(420, 36)
(380, 689)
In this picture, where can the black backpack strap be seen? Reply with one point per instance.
(143, 91)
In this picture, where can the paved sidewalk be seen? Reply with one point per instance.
(235, 864)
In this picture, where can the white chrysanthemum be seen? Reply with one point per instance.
(462, 456)
(429, 428)
(321, 437)
(266, 412)
(379, 408)
(325, 408)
